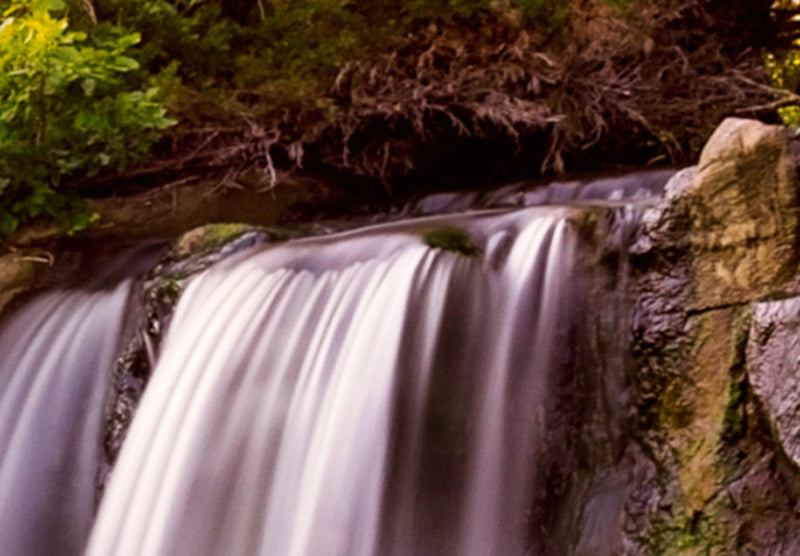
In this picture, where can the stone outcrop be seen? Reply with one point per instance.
(734, 214)
(715, 394)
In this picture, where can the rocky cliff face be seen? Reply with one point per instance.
(716, 329)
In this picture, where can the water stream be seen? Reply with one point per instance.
(376, 392)
(56, 363)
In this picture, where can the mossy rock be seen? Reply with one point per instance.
(451, 239)
(208, 238)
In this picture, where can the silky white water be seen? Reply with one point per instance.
(357, 395)
(57, 356)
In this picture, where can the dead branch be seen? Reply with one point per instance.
(660, 83)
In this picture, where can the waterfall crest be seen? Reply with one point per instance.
(350, 396)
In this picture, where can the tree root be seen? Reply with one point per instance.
(651, 86)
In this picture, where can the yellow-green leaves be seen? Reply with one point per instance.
(784, 72)
(65, 110)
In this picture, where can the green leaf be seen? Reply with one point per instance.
(66, 54)
(88, 85)
(123, 63)
(82, 221)
(47, 5)
(8, 222)
(123, 42)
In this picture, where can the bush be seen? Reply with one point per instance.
(65, 111)
(784, 72)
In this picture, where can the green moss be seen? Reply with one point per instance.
(208, 239)
(698, 534)
(688, 536)
(674, 412)
(217, 235)
(169, 292)
(162, 297)
(735, 423)
(451, 239)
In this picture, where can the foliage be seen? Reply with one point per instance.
(782, 60)
(544, 13)
(784, 72)
(65, 111)
(370, 78)
(280, 47)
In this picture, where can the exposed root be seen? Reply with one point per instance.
(650, 81)
(654, 86)
(43, 258)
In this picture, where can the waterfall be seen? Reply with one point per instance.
(357, 395)
(422, 387)
(57, 358)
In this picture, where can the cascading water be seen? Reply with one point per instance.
(296, 385)
(57, 356)
(403, 390)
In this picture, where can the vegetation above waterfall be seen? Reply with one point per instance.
(106, 97)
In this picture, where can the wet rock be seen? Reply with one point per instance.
(773, 365)
(154, 300)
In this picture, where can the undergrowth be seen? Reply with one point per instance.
(100, 94)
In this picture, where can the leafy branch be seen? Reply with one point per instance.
(65, 110)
